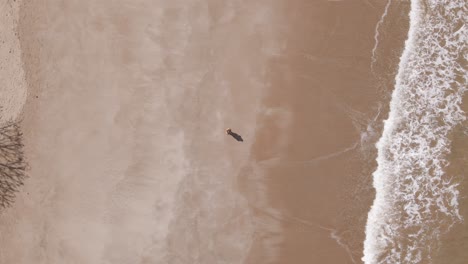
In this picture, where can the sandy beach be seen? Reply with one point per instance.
(124, 104)
(319, 183)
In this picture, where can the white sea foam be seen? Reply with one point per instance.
(415, 199)
(377, 34)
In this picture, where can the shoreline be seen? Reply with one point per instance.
(319, 218)
(397, 211)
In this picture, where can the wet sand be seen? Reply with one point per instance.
(319, 182)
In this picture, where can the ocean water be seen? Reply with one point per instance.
(416, 200)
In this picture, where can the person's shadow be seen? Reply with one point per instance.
(234, 135)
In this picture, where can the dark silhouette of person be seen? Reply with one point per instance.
(234, 135)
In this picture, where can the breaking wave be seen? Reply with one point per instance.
(416, 200)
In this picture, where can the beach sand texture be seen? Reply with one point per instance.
(352, 115)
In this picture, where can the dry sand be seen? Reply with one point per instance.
(124, 132)
(13, 88)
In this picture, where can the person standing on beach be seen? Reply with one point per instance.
(234, 135)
